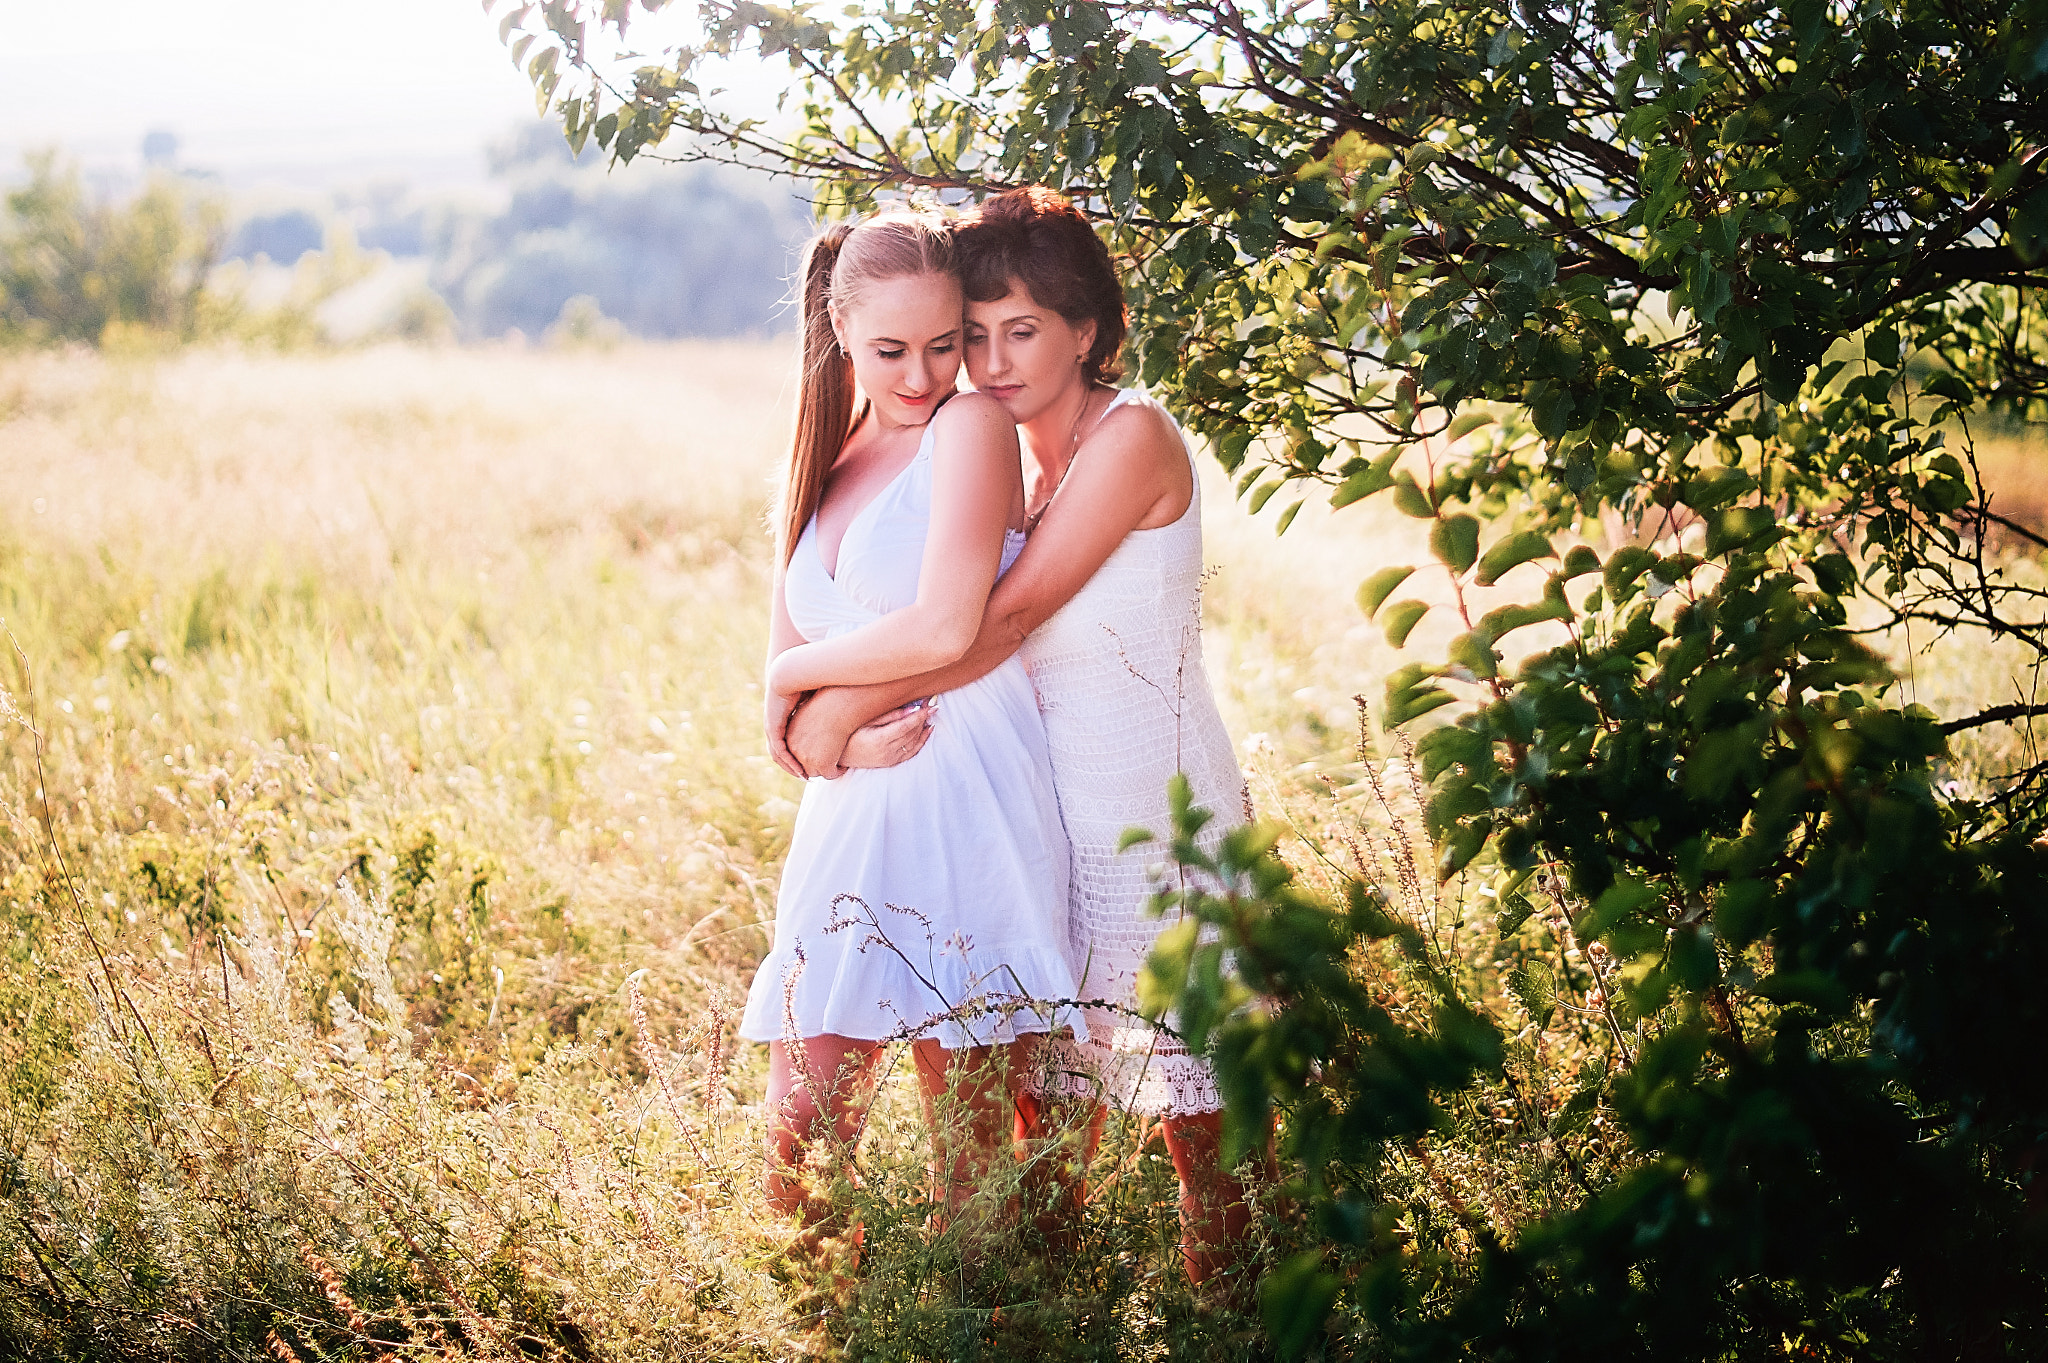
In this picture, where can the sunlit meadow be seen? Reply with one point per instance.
(388, 841)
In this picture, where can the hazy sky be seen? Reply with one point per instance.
(262, 90)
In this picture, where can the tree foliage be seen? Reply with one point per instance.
(685, 251)
(1695, 306)
(73, 270)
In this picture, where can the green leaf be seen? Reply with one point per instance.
(1295, 1300)
(1455, 541)
(1577, 1110)
(1718, 760)
(1502, 621)
(1512, 552)
(1230, 449)
(1409, 693)
(1739, 912)
(1373, 592)
(1166, 969)
(1286, 519)
(1835, 574)
(1552, 407)
(1263, 494)
(1460, 845)
(1451, 745)
(1737, 527)
(1662, 187)
(1533, 988)
(1375, 477)
(1468, 422)
(1410, 499)
(1943, 383)
(1401, 618)
(1474, 652)
(1624, 566)
(1616, 905)
(1515, 910)
(1132, 837)
(1817, 989)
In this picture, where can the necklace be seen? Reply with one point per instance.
(1031, 518)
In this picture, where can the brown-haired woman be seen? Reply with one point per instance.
(1104, 605)
(925, 900)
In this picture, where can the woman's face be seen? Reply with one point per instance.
(1025, 356)
(904, 339)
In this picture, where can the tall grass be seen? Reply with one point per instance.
(392, 711)
(393, 843)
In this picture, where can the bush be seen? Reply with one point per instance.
(1820, 1132)
(71, 270)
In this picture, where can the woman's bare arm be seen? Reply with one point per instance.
(975, 493)
(782, 635)
(1134, 474)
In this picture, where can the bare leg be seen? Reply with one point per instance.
(967, 1141)
(813, 1093)
(1059, 1148)
(1215, 1206)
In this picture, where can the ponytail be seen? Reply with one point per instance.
(824, 407)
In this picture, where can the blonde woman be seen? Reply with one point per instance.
(927, 900)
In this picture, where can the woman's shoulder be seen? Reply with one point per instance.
(1141, 431)
(971, 411)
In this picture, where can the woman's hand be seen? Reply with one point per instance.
(894, 738)
(775, 719)
(820, 730)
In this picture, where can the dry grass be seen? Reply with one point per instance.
(398, 708)
(472, 637)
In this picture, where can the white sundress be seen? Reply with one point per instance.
(1126, 703)
(926, 899)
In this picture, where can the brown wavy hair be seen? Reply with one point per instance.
(1036, 237)
(838, 266)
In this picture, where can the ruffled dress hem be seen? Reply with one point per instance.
(959, 999)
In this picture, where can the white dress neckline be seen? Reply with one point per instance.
(924, 444)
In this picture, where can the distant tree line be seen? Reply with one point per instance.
(688, 251)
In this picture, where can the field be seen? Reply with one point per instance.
(399, 841)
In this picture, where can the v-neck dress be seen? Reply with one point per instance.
(928, 899)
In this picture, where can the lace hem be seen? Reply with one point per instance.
(1141, 1070)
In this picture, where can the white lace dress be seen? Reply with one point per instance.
(1126, 701)
(926, 899)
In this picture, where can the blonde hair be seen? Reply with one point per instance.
(839, 265)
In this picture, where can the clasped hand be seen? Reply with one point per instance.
(806, 741)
